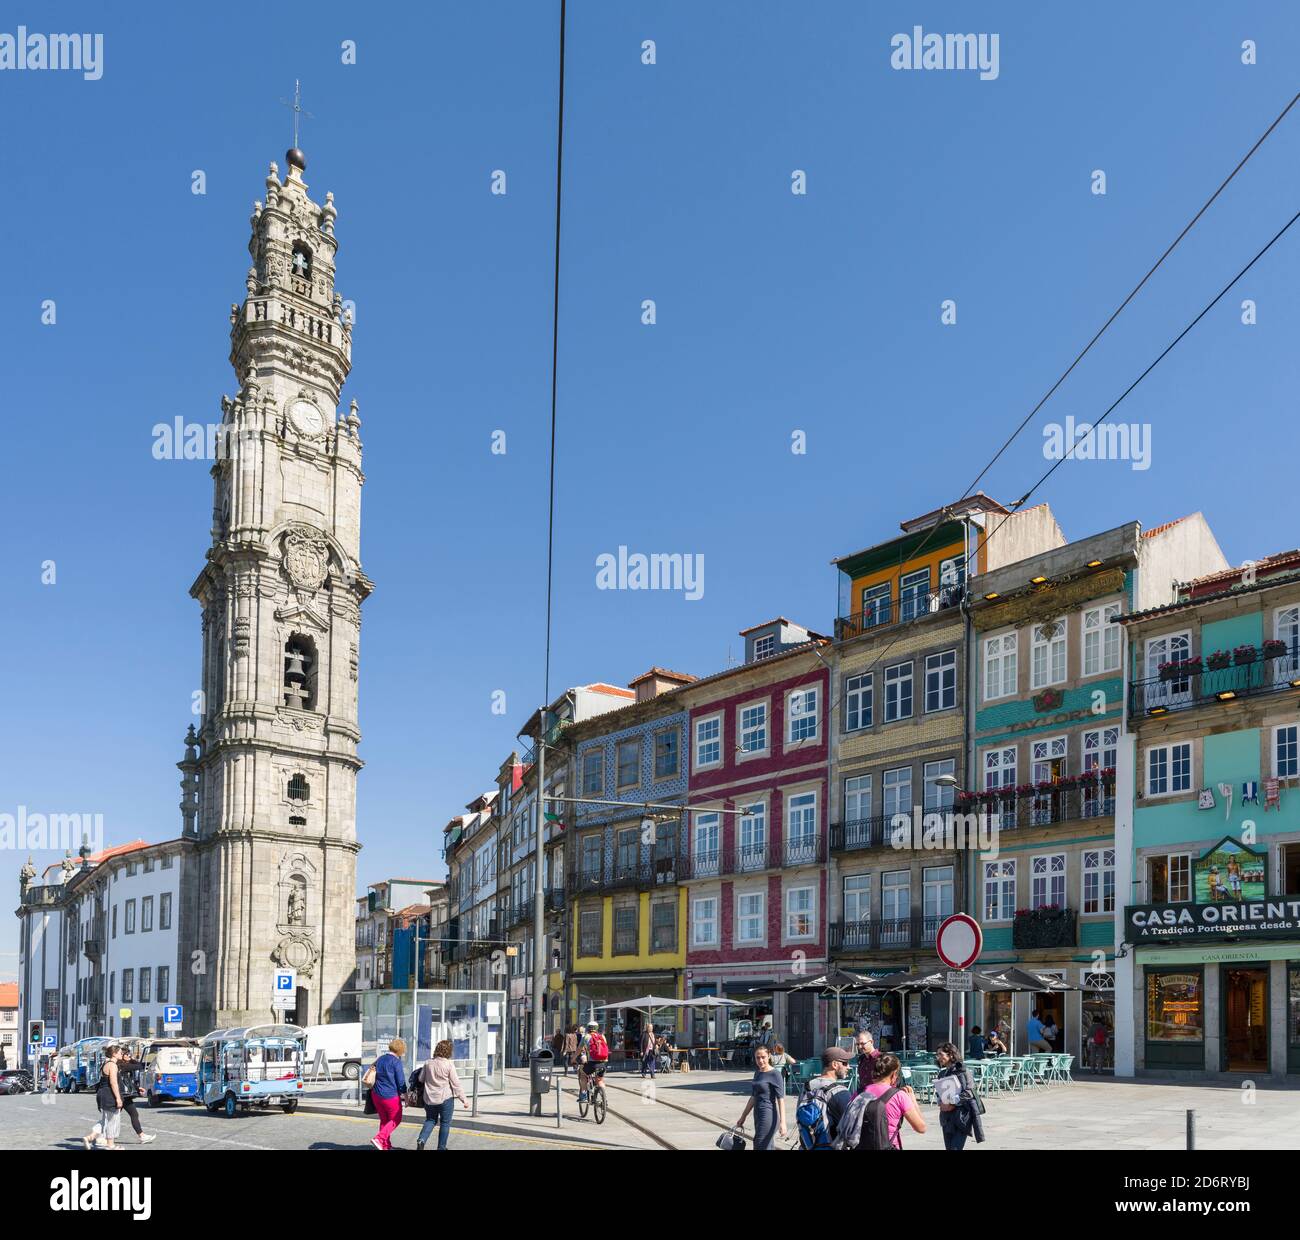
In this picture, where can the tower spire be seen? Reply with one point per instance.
(298, 113)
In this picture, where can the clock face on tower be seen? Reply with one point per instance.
(306, 418)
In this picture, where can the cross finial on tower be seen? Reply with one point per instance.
(297, 109)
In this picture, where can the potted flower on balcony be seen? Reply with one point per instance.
(964, 800)
(1274, 649)
(1049, 925)
(1245, 654)
(1026, 790)
(1180, 669)
(1107, 777)
(1218, 660)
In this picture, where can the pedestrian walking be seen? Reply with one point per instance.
(570, 1048)
(1034, 1038)
(959, 1106)
(868, 1056)
(108, 1097)
(129, 1069)
(766, 1101)
(824, 1101)
(386, 1080)
(441, 1089)
(647, 1050)
(1097, 1044)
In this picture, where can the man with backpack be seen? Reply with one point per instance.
(824, 1101)
(593, 1056)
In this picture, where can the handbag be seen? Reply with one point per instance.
(369, 1079)
(732, 1139)
(370, 1108)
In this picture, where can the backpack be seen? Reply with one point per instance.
(812, 1117)
(597, 1048)
(865, 1125)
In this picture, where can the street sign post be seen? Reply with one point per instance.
(959, 979)
(173, 1017)
(284, 990)
(958, 944)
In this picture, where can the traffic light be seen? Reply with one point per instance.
(35, 1032)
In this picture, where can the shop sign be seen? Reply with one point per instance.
(1174, 923)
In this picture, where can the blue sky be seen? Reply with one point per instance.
(775, 313)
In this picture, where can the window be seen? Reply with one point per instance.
(941, 681)
(765, 646)
(936, 893)
(1099, 880)
(1099, 748)
(627, 852)
(1169, 878)
(1047, 655)
(857, 798)
(801, 716)
(1169, 769)
(708, 741)
(629, 763)
(1000, 666)
(857, 703)
(999, 890)
(146, 914)
(753, 728)
(589, 932)
(939, 797)
(800, 913)
(165, 911)
(128, 985)
(300, 672)
(625, 930)
(751, 837)
(704, 850)
(164, 983)
(666, 753)
(750, 916)
(114, 920)
(298, 788)
(593, 772)
(898, 692)
(801, 828)
(857, 898)
(912, 592)
(1286, 758)
(129, 917)
(663, 926)
(1047, 881)
(1175, 1011)
(166, 862)
(591, 849)
(143, 1028)
(704, 921)
(896, 896)
(146, 985)
(897, 789)
(1101, 638)
(1000, 768)
(876, 608)
(1172, 648)
(1048, 756)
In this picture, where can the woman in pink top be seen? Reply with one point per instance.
(902, 1106)
(440, 1088)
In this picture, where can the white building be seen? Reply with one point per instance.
(107, 935)
(9, 1053)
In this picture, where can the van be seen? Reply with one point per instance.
(342, 1046)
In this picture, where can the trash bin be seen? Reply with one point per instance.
(541, 1066)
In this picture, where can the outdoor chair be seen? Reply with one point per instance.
(1013, 1077)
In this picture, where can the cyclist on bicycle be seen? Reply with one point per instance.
(593, 1057)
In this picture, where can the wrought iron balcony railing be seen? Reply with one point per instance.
(1045, 928)
(884, 934)
(884, 613)
(1071, 802)
(1252, 672)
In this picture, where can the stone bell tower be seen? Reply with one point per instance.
(269, 781)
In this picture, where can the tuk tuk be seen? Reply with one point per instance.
(87, 1061)
(63, 1065)
(171, 1067)
(253, 1066)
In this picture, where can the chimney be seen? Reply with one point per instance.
(656, 681)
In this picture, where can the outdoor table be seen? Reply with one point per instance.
(923, 1080)
(710, 1055)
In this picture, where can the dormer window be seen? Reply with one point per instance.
(301, 262)
(765, 646)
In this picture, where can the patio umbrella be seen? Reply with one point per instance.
(1013, 977)
(834, 981)
(644, 1003)
(905, 983)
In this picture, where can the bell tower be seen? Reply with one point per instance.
(269, 783)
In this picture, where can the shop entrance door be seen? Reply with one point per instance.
(1245, 1019)
(800, 1020)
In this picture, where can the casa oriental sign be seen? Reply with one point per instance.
(1276, 918)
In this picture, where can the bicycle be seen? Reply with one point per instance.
(595, 1100)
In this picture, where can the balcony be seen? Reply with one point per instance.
(884, 934)
(623, 875)
(1045, 927)
(752, 858)
(860, 833)
(885, 613)
(1075, 799)
(1222, 676)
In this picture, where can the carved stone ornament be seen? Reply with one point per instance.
(306, 558)
(298, 720)
(296, 950)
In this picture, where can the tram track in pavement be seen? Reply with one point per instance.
(675, 1106)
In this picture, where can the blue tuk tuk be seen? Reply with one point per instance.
(171, 1070)
(253, 1066)
(63, 1065)
(86, 1063)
